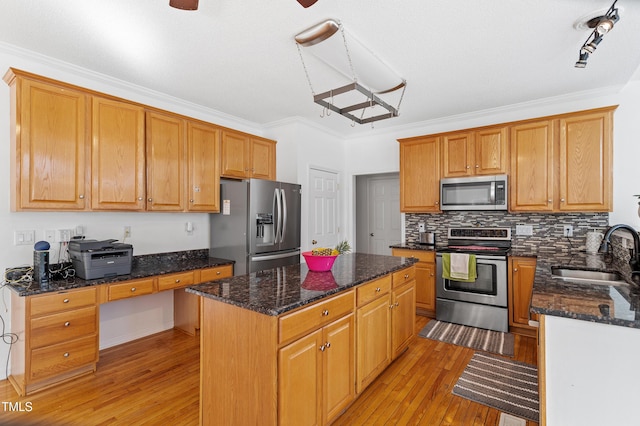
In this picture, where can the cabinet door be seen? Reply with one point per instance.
(300, 381)
(51, 147)
(338, 367)
(203, 165)
(403, 317)
(420, 175)
(165, 162)
(263, 159)
(373, 341)
(117, 156)
(234, 154)
(532, 167)
(522, 274)
(585, 162)
(457, 154)
(426, 287)
(491, 148)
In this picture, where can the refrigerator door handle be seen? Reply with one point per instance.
(278, 211)
(284, 215)
(275, 256)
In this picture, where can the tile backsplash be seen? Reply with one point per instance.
(547, 228)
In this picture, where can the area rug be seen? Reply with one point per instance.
(480, 339)
(509, 386)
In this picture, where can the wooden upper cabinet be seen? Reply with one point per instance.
(243, 156)
(531, 178)
(420, 174)
(480, 152)
(117, 156)
(49, 125)
(165, 162)
(585, 161)
(203, 165)
(457, 154)
(491, 150)
(263, 159)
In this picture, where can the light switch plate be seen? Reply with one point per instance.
(24, 238)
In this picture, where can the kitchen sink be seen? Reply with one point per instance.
(586, 276)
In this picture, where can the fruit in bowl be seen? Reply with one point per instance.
(322, 258)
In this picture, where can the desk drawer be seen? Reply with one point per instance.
(62, 301)
(218, 272)
(128, 289)
(304, 321)
(58, 359)
(373, 289)
(168, 282)
(68, 325)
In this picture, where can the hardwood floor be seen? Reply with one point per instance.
(155, 381)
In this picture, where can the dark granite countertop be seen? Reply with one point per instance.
(276, 291)
(142, 266)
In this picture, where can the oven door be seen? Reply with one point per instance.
(490, 288)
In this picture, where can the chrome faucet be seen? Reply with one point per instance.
(635, 257)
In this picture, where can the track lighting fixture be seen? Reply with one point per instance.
(601, 25)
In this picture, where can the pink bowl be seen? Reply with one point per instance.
(319, 263)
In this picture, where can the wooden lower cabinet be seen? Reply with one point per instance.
(522, 272)
(316, 375)
(58, 338)
(306, 366)
(425, 279)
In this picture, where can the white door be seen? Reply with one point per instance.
(384, 214)
(323, 209)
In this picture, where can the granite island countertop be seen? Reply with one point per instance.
(276, 291)
(142, 266)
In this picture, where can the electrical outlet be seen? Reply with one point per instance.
(567, 230)
(421, 227)
(524, 230)
(50, 235)
(63, 235)
(127, 232)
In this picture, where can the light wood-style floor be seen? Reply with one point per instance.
(154, 381)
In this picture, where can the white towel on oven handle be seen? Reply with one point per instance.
(459, 267)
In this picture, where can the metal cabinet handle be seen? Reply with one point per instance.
(562, 200)
(191, 201)
(149, 199)
(65, 301)
(397, 304)
(327, 345)
(391, 306)
(140, 198)
(325, 312)
(217, 272)
(322, 348)
(468, 167)
(66, 354)
(549, 200)
(177, 281)
(477, 166)
(437, 202)
(81, 196)
(67, 324)
(378, 289)
(406, 276)
(371, 234)
(515, 269)
(133, 289)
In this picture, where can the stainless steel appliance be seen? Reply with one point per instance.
(482, 303)
(258, 226)
(474, 193)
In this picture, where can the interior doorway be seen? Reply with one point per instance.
(378, 218)
(324, 226)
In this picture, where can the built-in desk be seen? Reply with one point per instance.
(58, 325)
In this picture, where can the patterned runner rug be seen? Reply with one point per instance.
(470, 337)
(509, 386)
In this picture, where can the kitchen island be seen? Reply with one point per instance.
(589, 343)
(289, 345)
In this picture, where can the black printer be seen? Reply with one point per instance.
(98, 259)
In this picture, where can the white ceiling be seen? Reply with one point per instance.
(239, 57)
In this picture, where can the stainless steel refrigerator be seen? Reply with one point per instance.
(258, 225)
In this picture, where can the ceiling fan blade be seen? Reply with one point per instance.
(307, 3)
(184, 4)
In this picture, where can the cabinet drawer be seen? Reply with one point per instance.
(308, 319)
(62, 301)
(211, 274)
(365, 293)
(404, 276)
(57, 359)
(422, 255)
(130, 289)
(68, 325)
(182, 279)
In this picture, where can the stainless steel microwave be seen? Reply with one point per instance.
(474, 193)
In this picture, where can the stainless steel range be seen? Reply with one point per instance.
(483, 301)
